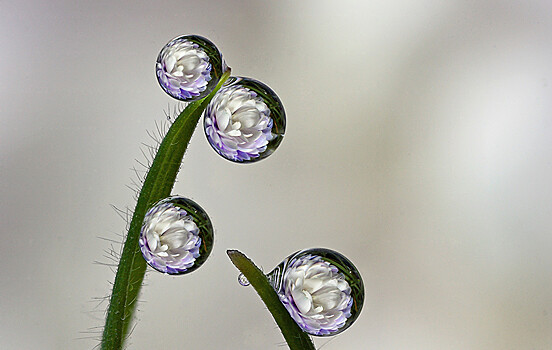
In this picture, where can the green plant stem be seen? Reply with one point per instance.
(295, 337)
(157, 185)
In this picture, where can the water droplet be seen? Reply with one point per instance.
(176, 236)
(321, 289)
(189, 67)
(245, 121)
(243, 280)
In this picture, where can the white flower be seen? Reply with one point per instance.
(316, 295)
(169, 239)
(238, 123)
(183, 69)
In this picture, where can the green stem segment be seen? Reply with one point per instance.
(295, 337)
(157, 185)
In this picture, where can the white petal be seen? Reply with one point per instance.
(234, 133)
(223, 117)
(303, 300)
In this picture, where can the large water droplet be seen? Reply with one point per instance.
(245, 121)
(176, 236)
(321, 289)
(189, 67)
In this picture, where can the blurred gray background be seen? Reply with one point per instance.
(419, 145)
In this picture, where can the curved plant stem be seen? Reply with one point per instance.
(295, 337)
(157, 185)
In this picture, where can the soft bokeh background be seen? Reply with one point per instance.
(419, 144)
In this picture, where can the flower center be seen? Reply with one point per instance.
(243, 116)
(170, 237)
(186, 64)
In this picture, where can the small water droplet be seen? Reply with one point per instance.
(323, 311)
(245, 121)
(243, 280)
(176, 236)
(189, 67)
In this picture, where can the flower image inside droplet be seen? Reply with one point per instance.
(176, 236)
(245, 121)
(321, 289)
(243, 280)
(189, 67)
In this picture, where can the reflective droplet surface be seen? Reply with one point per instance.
(176, 236)
(321, 289)
(243, 280)
(189, 67)
(245, 121)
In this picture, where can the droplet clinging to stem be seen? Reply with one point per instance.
(176, 236)
(189, 67)
(321, 289)
(245, 121)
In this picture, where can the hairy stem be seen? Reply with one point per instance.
(157, 185)
(295, 337)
